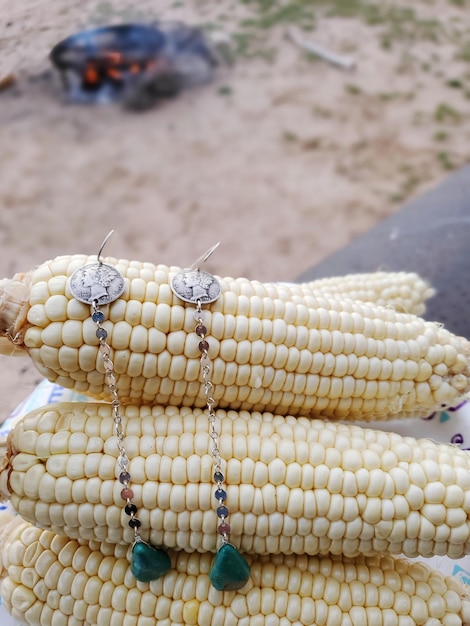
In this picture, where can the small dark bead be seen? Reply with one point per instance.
(135, 523)
(224, 528)
(220, 494)
(222, 511)
(127, 494)
(101, 333)
(219, 477)
(130, 509)
(98, 316)
(124, 477)
(203, 345)
(201, 330)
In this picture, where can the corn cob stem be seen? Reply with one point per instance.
(274, 347)
(54, 581)
(14, 296)
(295, 485)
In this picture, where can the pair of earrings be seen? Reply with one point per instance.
(98, 284)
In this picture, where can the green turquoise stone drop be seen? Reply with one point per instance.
(229, 570)
(148, 563)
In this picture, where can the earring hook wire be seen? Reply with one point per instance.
(203, 258)
(105, 241)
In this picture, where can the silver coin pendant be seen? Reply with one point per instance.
(195, 286)
(97, 283)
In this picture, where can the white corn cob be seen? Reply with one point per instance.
(295, 485)
(54, 581)
(404, 291)
(275, 348)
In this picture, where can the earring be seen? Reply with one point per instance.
(98, 284)
(230, 570)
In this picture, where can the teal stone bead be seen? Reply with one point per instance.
(230, 571)
(149, 563)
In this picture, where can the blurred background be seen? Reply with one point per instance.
(283, 158)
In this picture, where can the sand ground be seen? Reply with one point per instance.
(283, 158)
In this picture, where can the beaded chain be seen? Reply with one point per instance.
(123, 461)
(147, 563)
(220, 494)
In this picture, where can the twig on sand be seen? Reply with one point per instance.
(341, 61)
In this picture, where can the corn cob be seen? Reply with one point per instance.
(273, 347)
(54, 581)
(404, 291)
(295, 485)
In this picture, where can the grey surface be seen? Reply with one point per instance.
(430, 236)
